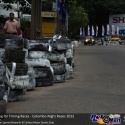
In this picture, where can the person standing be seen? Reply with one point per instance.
(11, 26)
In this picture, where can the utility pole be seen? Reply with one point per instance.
(35, 19)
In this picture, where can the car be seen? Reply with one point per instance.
(89, 40)
(115, 38)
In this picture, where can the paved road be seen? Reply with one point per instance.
(98, 86)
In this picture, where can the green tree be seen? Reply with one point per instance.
(77, 18)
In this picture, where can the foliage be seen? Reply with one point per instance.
(77, 18)
(23, 23)
(47, 5)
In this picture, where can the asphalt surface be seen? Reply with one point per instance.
(98, 85)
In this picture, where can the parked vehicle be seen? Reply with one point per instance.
(115, 38)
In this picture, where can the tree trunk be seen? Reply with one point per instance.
(35, 19)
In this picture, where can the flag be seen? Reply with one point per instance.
(63, 12)
(103, 30)
(96, 30)
(108, 29)
(93, 32)
(88, 30)
(117, 30)
(81, 33)
(56, 5)
(113, 29)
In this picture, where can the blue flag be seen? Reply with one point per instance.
(63, 11)
(58, 3)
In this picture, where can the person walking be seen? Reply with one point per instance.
(11, 26)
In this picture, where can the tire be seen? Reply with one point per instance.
(59, 68)
(2, 91)
(42, 72)
(15, 95)
(17, 56)
(56, 56)
(21, 82)
(2, 40)
(70, 61)
(69, 72)
(26, 43)
(32, 82)
(38, 54)
(21, 68)
(69, 53)
(59, 78)
(38, 62)
(41, 82)
(14, 43)
(3, 106)
(85, 43)
(2, 54)
(37, 46)
(2, 72)
(63, 44)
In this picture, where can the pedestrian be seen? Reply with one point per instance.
(11, 26)
(102, 40)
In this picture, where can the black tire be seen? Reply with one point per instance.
(2, 72)
(15, 95)
(38, 54)
(59, 78)
(21, 68)
(59, 68)
(41, 82)
(85, 43)
(3, 106)
(2, 91)
(14, 43)
(42, 72)
(17, 56)
(70, 61)
(32, 82)
(56, 56)
(2, 40)
(38, 46)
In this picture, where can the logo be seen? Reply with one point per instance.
(106, 119)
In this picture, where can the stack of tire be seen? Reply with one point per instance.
(37, 59)
(56, 59)
(2, 89)
(17, 68)
(59, 67)
(2, 45)
(65, 46)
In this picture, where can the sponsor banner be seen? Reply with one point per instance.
(113, 30)
(81, 32)
(96, 30)
(62, 119)
(108, 29)
(117, 30)
(93, 32)
(103, 30)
